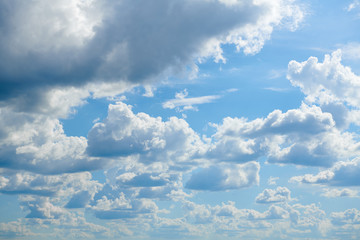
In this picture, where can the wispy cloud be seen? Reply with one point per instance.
(275, 89)
(181, 100)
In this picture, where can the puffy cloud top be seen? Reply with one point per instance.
(280, 194)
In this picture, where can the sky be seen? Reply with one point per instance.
(189, 119)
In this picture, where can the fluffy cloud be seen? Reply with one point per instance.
(326, 82)
(304, 136)
(350, 216)
(75, 42)
(342, 174)
(225, 177)
(124, 133)
(77, 189)
(37, 143)
(121, 207)
(276, 222)
(280, 194)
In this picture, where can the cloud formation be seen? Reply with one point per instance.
(326, 82)
(37, 143)
(341, 174)
(225, 177)
(124, 133)
(181, 100)
(71, 43)
(304, 136)
(280, 194)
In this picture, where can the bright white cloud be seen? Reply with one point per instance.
(36, 142)
(280, 194)
(304, 136)
(326, 82)
(124, 133)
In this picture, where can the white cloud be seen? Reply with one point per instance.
(272, 180)
(225, 177)
(75, 190)
(353, 5)
(350, 216)
(345, 192)
(124, 133)
(14, 229)
(341, 174)
(326, 82)
(119, 209)
(181, 100)
(304, 136)
(36, 142)
(280, 194)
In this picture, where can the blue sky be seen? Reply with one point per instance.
(191, 119)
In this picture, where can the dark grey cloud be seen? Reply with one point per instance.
(71, 43)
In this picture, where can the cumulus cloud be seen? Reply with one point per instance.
(280, 194)
(37, 143)
(124, 133)
(341, 174)
(75, 42)
(77, 189)
(325, 82)
(123, 208)
(304, 136)
(350, 216)
(225, 177)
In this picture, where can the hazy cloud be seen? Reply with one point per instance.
(225, 177)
